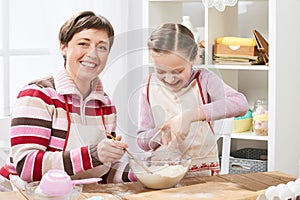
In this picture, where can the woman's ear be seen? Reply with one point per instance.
(154, 54)
(63, 49)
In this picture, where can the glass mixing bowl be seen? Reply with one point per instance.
(163, 169)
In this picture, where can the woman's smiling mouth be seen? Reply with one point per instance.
(88, 64)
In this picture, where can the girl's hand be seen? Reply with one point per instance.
(178, 127)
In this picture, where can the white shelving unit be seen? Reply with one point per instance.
(240, 20)
(248, 135)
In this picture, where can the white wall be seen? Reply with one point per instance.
(34, 26)
(124, 81)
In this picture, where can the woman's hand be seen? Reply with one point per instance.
(177, 128)
(110, 150)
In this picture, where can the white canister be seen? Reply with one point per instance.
(186, 21)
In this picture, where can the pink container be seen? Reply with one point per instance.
(58, 182)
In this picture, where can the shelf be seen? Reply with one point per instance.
(248, 136)
(230, 67)
(235, 67)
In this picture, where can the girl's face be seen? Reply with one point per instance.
(172, 70)
(86, 55)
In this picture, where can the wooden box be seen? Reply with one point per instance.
(221, 49)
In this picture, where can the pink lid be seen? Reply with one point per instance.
(56, 182)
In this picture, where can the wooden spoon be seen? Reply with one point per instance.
(131, 155)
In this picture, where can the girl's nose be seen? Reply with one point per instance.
(169, 78)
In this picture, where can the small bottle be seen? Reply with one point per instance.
(260, 117)
(199, 38)
(199, 33)
(187, 23)
(299, 169)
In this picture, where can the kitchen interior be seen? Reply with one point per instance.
(274, 85)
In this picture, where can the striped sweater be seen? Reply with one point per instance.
(40, 125)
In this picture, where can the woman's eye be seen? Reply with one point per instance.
(84, 44)
(102, 48)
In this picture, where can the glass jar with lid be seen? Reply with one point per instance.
(260, 117)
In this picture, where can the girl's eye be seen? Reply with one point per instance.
(177, 72)
(159, 71)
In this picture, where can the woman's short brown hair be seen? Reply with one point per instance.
(85, 20)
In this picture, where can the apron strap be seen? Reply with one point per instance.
(69, 121)
(202, 97)
(148, 86)
(103, 122)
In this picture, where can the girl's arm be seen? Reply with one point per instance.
(147, 136)
(222, 101)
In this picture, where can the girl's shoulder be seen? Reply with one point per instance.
(206, 73)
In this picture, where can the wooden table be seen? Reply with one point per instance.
(229, 186)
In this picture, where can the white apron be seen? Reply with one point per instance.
(200, 142)
(85, 135)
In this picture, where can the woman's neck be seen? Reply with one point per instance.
(84, 88)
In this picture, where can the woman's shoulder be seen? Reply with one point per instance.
(42, 88)
(46, 82)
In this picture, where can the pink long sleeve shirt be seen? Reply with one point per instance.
(221, 101)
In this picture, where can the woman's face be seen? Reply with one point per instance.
(86, 54)
(172, 70)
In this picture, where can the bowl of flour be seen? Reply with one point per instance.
(159, 170)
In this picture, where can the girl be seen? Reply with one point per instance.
(178, 103)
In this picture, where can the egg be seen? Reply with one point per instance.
(272, 192)
(286, 194)
(297, 180)
(291, 183)
(262, 197)
(281, 186)
(295, 189)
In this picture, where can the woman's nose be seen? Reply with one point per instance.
(92, 52)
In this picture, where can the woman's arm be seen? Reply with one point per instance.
(31, 136)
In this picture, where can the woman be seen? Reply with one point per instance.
(63, 122)
(178, 102)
